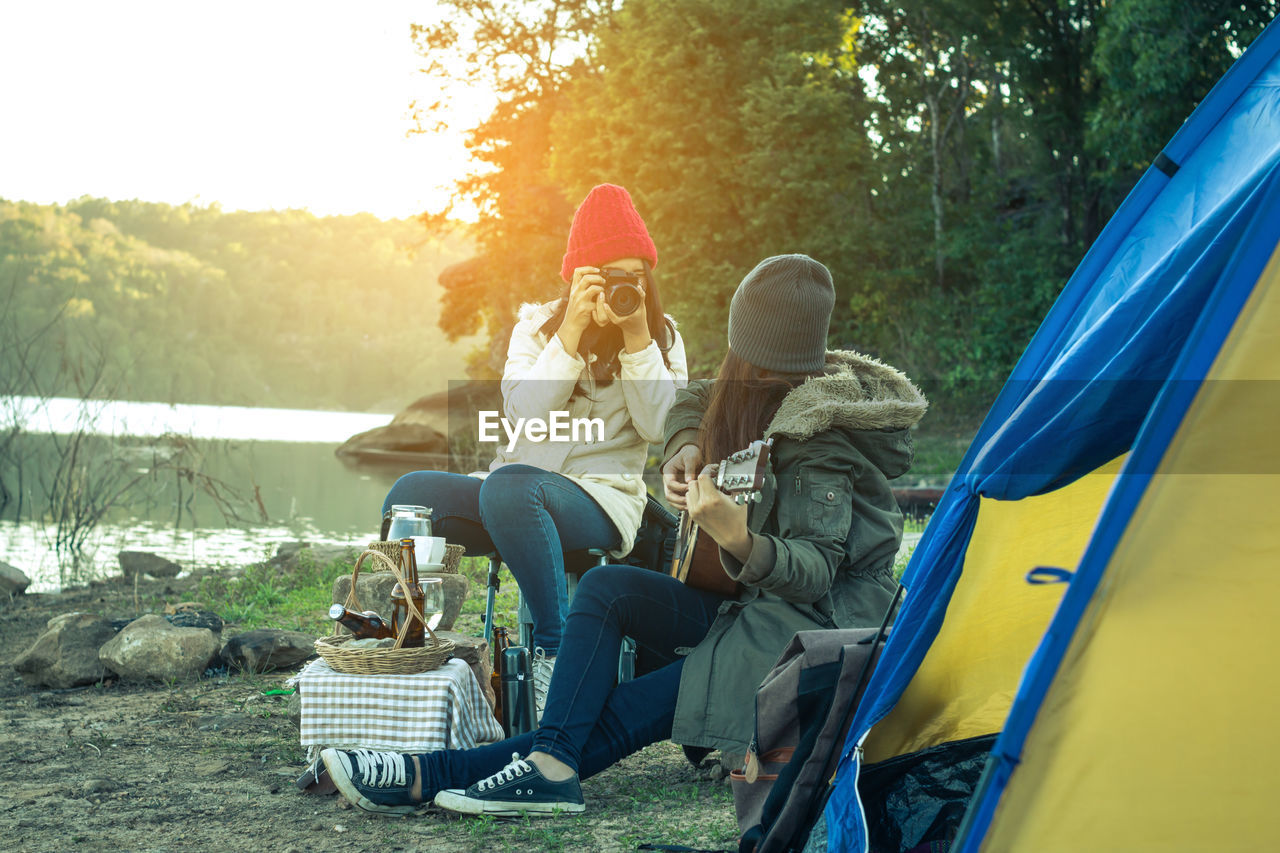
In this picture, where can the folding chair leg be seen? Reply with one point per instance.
(525, 619)
(491, 594)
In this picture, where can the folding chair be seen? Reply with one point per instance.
(654, 543)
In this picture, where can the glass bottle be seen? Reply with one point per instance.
(362, 625)
(401, 614)
(500, 644)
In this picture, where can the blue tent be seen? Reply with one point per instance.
(1137, 368)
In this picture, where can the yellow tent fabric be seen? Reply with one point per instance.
(966, 683)
(1159, 732)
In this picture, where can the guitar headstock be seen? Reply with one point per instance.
(742, 474)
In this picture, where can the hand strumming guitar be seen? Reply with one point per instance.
(680, 470)
(718, 516)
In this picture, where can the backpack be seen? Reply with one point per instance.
(804, 708)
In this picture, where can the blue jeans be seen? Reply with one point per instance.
(529, 516)
(589, 723)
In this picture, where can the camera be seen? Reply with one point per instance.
(622, 291)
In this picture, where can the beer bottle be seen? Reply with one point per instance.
(415, 637)
(362, 625)
(500, 644)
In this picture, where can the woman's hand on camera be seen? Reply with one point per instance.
(635, 326)
(585, 291)
(678, 472)
(718, 515)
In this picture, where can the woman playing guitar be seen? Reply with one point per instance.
(815, 551)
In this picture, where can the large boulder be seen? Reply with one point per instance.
(398, 439)
(267, 649)
(373, 590)
(13, 581)
(65, 654)
(144, 563)
(150, 648)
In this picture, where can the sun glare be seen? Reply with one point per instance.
(248, 105)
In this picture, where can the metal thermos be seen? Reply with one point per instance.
(519, 715)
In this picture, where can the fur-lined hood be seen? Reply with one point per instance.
(859, 395)
(855, 392)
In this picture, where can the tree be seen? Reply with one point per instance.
(737, 137)
(525, 53)
(1158, 58)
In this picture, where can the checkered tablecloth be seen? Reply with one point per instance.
(441, 709)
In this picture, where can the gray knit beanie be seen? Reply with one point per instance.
(780, 314)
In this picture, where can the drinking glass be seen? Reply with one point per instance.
(432, 600)
(409, 520)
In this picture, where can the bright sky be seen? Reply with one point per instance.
(255, 105)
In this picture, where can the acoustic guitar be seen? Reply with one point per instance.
(696, 561)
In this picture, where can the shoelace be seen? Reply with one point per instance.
(380, 769)
(517, 768)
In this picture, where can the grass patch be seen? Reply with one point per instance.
(266, 596)
(938, 454)
(507, 601)
(297, 596)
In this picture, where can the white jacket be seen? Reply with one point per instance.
(538, 379)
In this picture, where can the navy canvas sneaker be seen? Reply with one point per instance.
(517, 789)
(377, 782)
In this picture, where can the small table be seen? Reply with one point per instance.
(426, 711)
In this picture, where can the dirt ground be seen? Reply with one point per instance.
(210, 764)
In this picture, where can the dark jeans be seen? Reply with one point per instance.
(529, 516)
(589, 723)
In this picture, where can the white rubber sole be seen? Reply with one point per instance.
(342, 781)
(455, 800)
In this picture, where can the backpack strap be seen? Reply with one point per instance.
(781, 789)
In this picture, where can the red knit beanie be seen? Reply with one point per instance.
(606, 227)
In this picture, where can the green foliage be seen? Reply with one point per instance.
(265, 596)
(506, 603)
(723, 122)
(189, 304)
(938, 454)
(525, 52)
(1158, 57)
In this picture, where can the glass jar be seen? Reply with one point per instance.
(408, 520)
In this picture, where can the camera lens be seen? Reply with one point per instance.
(624, 299)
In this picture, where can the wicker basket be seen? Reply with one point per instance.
(452, 557)
(392, 661)
(390, 550)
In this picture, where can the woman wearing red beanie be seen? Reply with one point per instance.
(580, 355)
(816, 552)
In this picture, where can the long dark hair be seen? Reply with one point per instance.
(606, 341)
(744, 399)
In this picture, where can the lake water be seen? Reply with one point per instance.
(282, 458)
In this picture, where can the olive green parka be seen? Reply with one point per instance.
(828, 529)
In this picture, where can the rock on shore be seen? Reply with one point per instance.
(13, 581)
(152, 648)
(66, 652)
